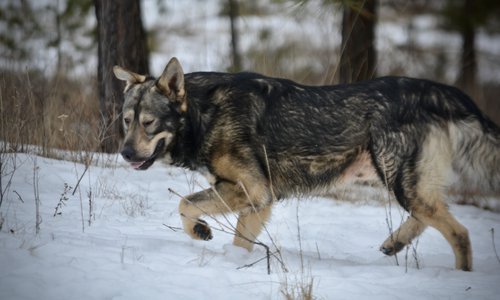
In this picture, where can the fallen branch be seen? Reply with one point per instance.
(493, 242)
(80, 179)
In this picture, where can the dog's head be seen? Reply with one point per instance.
(152, 113)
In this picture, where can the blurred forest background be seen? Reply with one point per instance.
(57, 89)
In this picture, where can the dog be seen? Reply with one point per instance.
(259, 139)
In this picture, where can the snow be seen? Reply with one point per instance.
(127, 251)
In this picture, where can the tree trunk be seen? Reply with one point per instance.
(233, 15)
(358, 54)
(468, 63)
(121, 41)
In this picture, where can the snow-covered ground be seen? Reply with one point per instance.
(127, 245)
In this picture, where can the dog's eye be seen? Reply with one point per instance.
(147, 123)
(127, 121)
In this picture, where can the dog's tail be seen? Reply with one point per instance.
(476, 148)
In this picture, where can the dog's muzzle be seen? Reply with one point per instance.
(138, 163)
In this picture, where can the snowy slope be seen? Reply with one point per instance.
(126, 252)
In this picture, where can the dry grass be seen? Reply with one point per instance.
(300, 290)
(55, 113)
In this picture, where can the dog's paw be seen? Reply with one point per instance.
(392, 248)
(202, 231)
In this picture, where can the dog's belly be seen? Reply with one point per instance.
(361, 169)
(304, 175)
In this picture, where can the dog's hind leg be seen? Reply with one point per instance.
(409, 230)
(419, 186)
(427, 208)
(432, 168)
(249, 226)
(455, 233)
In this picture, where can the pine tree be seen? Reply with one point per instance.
(121, 41)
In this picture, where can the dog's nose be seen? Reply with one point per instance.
(128, 153)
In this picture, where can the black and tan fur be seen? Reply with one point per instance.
(260, 139)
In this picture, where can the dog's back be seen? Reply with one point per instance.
(313, 134)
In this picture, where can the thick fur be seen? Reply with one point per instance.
(260, 139)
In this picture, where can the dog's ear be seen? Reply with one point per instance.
(128, 76)
(171, 83)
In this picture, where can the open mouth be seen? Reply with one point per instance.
(143, 165)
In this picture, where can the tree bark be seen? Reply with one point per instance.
(358, 53)
(121, 41)
(233, 15)
(468, 63)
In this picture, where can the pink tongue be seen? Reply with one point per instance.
(136, 165)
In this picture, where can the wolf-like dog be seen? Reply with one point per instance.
(260, 139)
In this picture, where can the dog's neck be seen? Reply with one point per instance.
(188, 143)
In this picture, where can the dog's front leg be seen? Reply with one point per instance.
(191, 208)
(222, 198)
(249, 227)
